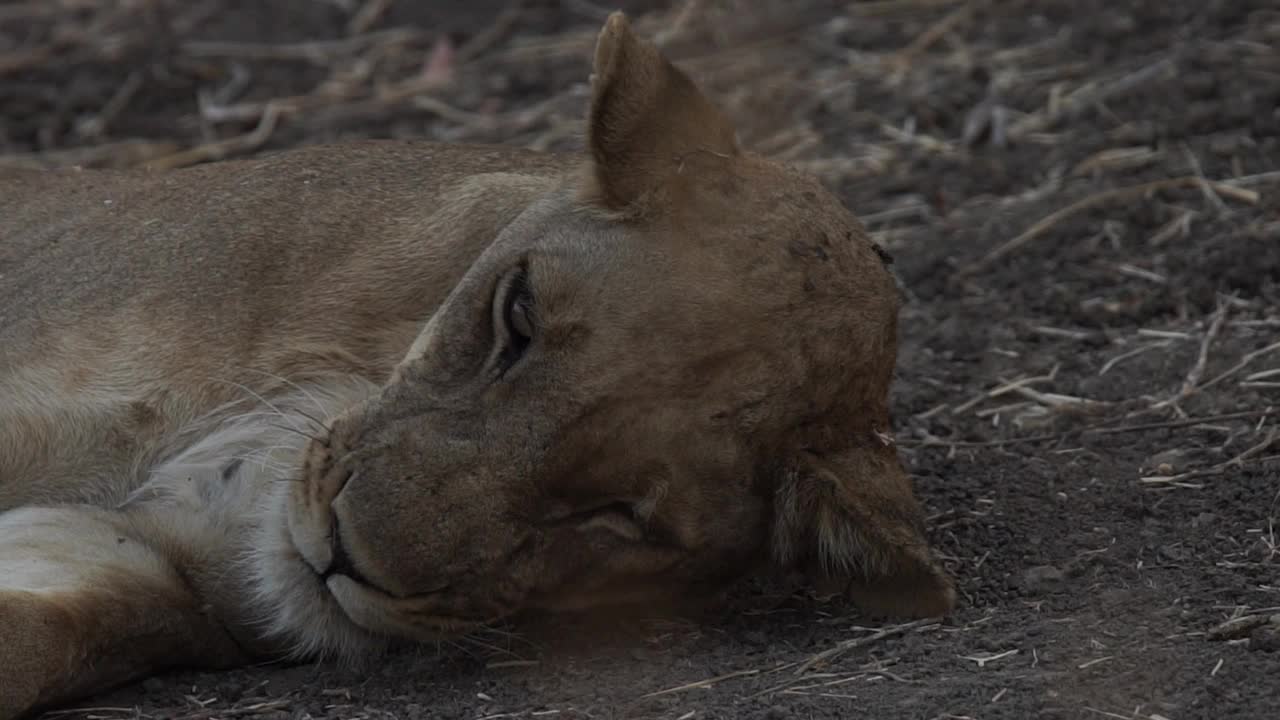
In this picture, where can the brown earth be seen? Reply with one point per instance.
(1083, 199)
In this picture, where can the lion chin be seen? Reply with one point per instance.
(295, 606)
(241, 479)
(232, 490)
(311, 616)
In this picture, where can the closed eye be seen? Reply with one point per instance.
(617, 517)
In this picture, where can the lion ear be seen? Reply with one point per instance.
(645, 116)
(852, 519)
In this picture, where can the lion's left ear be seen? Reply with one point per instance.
(852, 519)
(646, 115)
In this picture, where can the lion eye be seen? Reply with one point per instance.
(513, 318)
(621, 524)
(519, 322)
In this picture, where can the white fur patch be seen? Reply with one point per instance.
(56, 550)
(235, 481)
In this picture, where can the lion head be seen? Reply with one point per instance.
(669, 371)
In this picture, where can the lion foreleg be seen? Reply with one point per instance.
(85, 604)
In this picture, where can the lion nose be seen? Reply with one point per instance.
(310, 514)
(330, 481)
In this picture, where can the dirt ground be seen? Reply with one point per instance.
(1083, 201)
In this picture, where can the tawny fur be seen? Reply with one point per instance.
(306, 404)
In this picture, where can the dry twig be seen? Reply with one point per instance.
(222, 148)
(1088, 96)
(701, 683)
(1092, 201)
(1202, 358)
(845, 646)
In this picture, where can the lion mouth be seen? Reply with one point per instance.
(372, 607)
(337, 615)
(416, 617)
(318, 544)
(340, 562)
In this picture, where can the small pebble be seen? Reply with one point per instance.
(1204, 519)
(1041, 578)
(1167, 461)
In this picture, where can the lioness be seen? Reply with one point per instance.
(298, 405)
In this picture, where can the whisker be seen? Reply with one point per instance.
(249, 458)
(304, 391)
(322, 441)
(259, 397)
(245, 416)
(319, 423)
(263, 463)
(265, 452)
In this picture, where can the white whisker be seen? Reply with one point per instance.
(260, 398)
(304, 391)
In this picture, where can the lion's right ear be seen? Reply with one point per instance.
(645, 117)
(852, 519)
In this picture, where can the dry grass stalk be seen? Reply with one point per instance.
(1209, 195)
(1132, 353)
(319, 52)
(1248, 457)
(1125, 158)
(367, 15)
(1261, 414)
(845, 646)
(1202, 358)
(1179, 226)
(1239, 627)
(1244, 362)
(220, 149)
(701, 683)
(1089, 96)
(1101, 198)
(901, 61)
(1003, 388)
